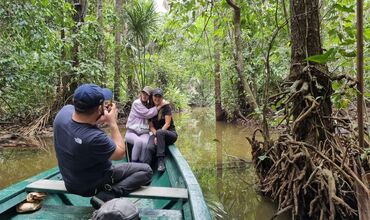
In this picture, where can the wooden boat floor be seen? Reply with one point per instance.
(57, 212)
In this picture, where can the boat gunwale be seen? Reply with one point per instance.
(199, 208)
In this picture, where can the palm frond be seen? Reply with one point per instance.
(141, 19)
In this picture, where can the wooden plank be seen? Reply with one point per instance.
(160, 192)
(57, 186)
(53, 186)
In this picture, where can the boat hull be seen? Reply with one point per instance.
(69, 206)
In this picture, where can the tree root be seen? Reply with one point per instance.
(308, 170)
(312, 185)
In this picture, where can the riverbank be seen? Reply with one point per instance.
(14, 135)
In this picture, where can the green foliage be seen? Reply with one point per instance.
(323, 58)
(343, 94)
(177, 98)
(173, 50)
(30, 55)
(141, 19)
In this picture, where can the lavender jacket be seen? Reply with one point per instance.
(137, 121)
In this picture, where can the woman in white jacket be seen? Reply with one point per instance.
(137, 125)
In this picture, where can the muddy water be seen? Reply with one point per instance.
(20, 163)
(218, 154)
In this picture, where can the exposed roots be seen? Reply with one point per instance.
(313, 169)
(306, 181)
(37, 125)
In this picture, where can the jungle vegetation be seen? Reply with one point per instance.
(290, 63)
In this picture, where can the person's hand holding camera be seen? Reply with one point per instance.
(110, 116)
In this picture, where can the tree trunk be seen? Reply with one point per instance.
(68, 83)
(246, 99)
(312, 107)
(117, 60)
(130, 70)
(79, 17)
(129, 67)
(101, 49)
(217, 71)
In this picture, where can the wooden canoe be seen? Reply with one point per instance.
(174, 194)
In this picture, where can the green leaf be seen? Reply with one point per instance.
(344, 103)
(340, 36)
(364, 155)
(335, 85)
(323, 58)
(347, 53)
(348, 41)
(332, 32)
(367, 33)
(345, 8)
(263, 157)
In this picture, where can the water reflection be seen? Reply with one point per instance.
(219, 156)
(20, 163)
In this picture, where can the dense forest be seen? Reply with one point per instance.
(290, 64)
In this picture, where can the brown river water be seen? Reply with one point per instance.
(218, 154)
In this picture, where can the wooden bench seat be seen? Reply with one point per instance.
(57, 186)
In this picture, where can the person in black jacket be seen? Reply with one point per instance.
(162, 128)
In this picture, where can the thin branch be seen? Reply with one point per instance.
(233, 5)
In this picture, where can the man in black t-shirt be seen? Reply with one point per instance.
(163, 129)
(84, 151)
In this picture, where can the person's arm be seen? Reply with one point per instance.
(143, 111)
(154, 131)
(167, 122)
(152, 128)
(167, 117)
(110, 118)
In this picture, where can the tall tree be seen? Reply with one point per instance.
(312, 108)
(142, 21)
(247, 100)
(315, 159)
(101, 49)
(69, 83)
(217, 72)
(117, 59)
(128, 63)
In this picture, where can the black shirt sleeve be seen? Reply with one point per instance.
(167, 110)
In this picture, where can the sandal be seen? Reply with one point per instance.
(32, 203)
(35, 196)
(28, 207)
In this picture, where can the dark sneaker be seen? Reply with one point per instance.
(99, 199)
(161, 166)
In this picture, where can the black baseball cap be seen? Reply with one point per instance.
(157, 92)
